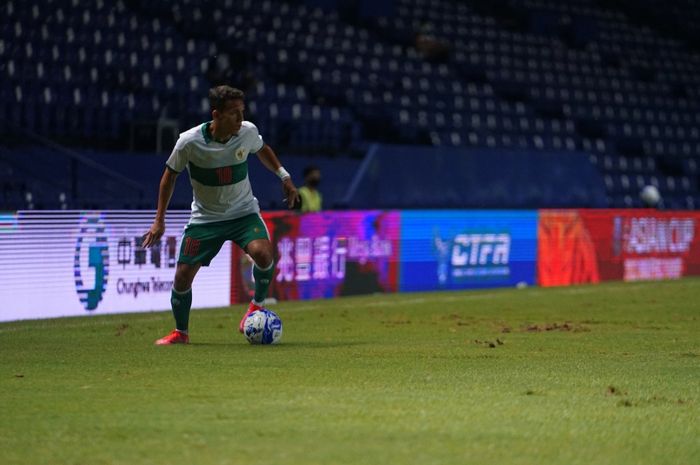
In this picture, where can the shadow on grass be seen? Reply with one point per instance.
(282, 345)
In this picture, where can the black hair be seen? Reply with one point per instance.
(309, 169)
(219, 95)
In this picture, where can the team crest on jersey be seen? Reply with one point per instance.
(240, 154)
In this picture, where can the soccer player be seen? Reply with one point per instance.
(223, 207)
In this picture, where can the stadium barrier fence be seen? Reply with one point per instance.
(72, 263)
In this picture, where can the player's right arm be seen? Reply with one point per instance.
(176, 163)
(165, 193)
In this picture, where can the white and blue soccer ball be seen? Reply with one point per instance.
(263, 327)
(650, 195)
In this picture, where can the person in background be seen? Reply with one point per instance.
(311, 198)
(433, 49)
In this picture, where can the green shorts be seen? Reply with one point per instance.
(201, 242)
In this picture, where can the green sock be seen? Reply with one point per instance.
(181, 303)
(263, 278)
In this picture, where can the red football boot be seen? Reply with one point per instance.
(251, 308)
(175, 337)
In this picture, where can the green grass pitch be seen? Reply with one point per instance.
(606, 374)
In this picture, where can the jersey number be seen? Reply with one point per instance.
(191, 247)
(225, 175)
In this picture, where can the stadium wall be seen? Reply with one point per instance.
(72, 263)
(412, 177)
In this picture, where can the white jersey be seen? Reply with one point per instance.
(218, 172)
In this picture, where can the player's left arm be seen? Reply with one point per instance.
(269, 159)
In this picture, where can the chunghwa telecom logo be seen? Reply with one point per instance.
(91, 257)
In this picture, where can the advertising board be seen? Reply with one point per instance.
(589, 246)
(77, 263)
(467, 249)
(327, 254)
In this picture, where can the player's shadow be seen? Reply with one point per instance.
(322, 344)
(283, 345)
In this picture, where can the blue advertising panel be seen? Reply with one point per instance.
(464, 250)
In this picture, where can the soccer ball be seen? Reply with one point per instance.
(263, 327)
(650, 195)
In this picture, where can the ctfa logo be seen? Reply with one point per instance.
(91, 251)
(469, 256)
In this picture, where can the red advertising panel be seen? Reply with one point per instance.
(321, 255)
(587, 246)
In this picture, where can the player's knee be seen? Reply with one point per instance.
(182, 283)
(183, 278)
(261, 253)
(264, 260)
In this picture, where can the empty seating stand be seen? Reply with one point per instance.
(529, 75)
